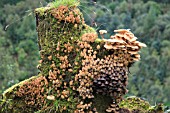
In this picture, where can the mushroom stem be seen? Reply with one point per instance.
(102, 36)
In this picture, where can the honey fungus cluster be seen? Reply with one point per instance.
(114, 78)
(126, 41)
(108, 75)
(68, 15)
(89, 37)
(34, 92)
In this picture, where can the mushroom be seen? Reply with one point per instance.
(50, 97)
(137, 56)
(141, 44)
(136, 59)
(118, 35)
(122, 31)
(102, 32)
(133, 52)
(108, 46)
(50, 57)
(114, 40)
(132, 46)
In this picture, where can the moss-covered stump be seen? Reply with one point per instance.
(79, 73)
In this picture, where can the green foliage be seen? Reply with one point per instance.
(18, 44)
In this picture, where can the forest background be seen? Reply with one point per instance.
(149, 20)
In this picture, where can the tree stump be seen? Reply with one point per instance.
(79, 72)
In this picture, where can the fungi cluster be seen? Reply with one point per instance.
(123, 49)
(108, 74)
(125, 41)
(111, 74)
(70, 16)
(33, 92)
(76, 65)
(89, 37)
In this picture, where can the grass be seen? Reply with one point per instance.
(68, 3)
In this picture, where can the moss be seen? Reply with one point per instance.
(98, 40)
(133, 103)
(136, 104)
(41, 10)
(87, 29)
(156, 109)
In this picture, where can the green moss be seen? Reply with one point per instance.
(68, 3)
(156, 109)
(87, 29)
(98, 40)
(42, 10)
(136, 104)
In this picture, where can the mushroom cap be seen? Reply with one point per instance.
(142, 44)
(108, 46)
(119, 35)
(133, 52)
(136, 59)
(108, 110)
(122, 30)
(137, 55)
(130, 37)
(133, 39)
(51, 97)
(102, 31)
(112, 37)
(121, 46)
(132, 46)
(114, 40)
(120, 64)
